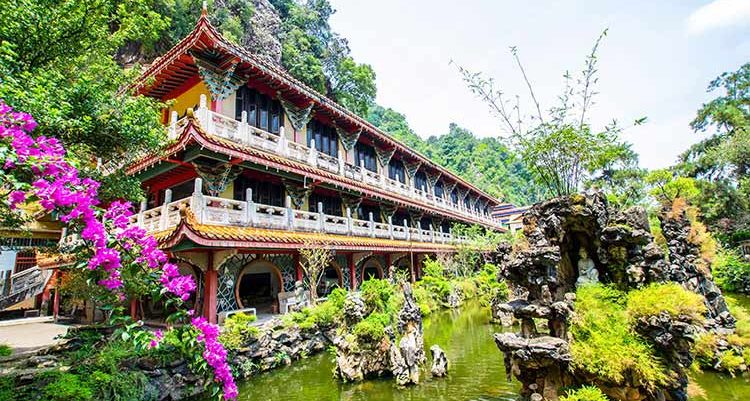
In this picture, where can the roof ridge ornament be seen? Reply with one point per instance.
(204, 9)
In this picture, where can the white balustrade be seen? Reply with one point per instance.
(248, 213)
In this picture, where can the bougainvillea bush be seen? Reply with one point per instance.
(119, 257)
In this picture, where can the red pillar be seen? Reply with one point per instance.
(387, 265)
(297, 266)
(412, 269)
(134, 309)
(210, 291)
(352, 271)
(56, 300)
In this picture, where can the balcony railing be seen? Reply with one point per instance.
(242, 132)
(213, 210)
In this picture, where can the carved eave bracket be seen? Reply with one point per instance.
(348, 139)
(221, 82)
(216, 178)
(298, 116)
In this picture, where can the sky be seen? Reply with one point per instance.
(655, 62)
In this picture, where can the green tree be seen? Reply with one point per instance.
(721, 162)
(666, 187)
(319, 57)
(56, 62)
(559, 146)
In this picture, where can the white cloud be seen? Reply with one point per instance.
(719, 14)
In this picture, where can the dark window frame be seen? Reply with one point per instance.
(366, 152)
(396, 170)
(326, 138)
(263, 111)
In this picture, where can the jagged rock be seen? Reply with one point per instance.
(262, 37)
(439, 361)
(357, 359)
(577, 239)
(354, 308)
(539, 363)
(502, 312)
(455, 299)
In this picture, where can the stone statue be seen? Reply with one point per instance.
(587, 272)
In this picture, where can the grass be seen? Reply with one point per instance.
(604, 344)
(670, 298)
(5, 350)
(585, 393)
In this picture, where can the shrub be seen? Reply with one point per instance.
(124, 386)
(705, 348)
(585, 393)
(68, 387)
(426, 300)
(5, 350)
(731, 271)
(372, 328)
(488, 285)
(467, 286)
(605, 345)
(434, 279)
(377, 295)
(730, 361)
(670, 298)
(238, 330)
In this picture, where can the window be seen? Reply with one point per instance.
(396, 170)
(25, 260)
(454, 197)
(399, 217)
(439, 189)
(331, 204)
(264, 192)
(420, 181)
(326, 139)
(364, 212)
(179, 191)
(466, 202)
(425, 223)
(262, 111)
(367, 154)
(446, 226)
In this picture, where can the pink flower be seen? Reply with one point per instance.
(16, 197)
(216, 356)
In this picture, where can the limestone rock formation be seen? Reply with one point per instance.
(579, 239)
(262, 36)
(439, 361)
(357, 358)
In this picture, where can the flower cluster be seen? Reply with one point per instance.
(36, 169)
(216, 356)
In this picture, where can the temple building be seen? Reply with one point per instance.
(259, 165)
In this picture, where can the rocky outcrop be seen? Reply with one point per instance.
(579, 239)
(361, 358)
(439, 361)
(262, 34)
(687, 267)
(539, 363)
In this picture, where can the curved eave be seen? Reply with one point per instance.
(205, 35)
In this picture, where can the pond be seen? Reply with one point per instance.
(477, 372)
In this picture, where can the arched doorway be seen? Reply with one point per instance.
(403, 265)
(258, 286)
(330, 278)
(371, 269)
